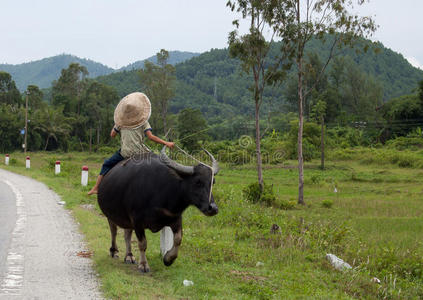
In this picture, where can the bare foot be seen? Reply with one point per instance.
(92, 192)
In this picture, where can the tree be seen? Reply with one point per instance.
(158, 83)
(51, 123)
(319, 111)
(98, 103)
(297, 28)
(192, 128)
(35, 97)
(9, 94)
(252, 49)
(67, 90)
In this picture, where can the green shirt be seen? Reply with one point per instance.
(132, 140)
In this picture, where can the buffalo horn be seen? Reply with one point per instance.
(215, 165)
(186, 170)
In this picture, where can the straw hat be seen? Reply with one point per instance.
(132, 111)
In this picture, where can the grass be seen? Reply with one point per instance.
(374, 222)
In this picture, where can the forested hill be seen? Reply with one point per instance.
(43, 72)
(213, 83)
(175, 57)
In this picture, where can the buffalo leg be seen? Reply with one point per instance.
(113, 232)
(129, 257)
(143, 266)
(172, 254)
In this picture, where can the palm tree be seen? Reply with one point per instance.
(52, 123)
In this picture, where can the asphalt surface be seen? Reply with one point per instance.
(7, 221)
(39, 243)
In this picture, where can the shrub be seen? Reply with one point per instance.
(255, 194)
(311, 141)
(327, 203)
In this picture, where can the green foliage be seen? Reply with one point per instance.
(12, 120)
(327, 203)
(192, 128)
(158, 83)
(311, 140)
(9, 94)
(255, 194)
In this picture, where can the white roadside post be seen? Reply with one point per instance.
(6, 160)
(28, 162)
(84, 176)
(57, 168)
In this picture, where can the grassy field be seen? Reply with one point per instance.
(374, 222)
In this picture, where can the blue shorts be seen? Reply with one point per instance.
(111, 162)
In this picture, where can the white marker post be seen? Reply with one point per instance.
(84, 176)
(28, 162)
(6, 160)
(57, 167)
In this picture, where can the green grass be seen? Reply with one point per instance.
(374, 222)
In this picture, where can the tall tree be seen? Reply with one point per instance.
(9, 94)
(35, 97)
(192, 128)
(297, 22)
(98, 103)
(52, 124)
(253, 49)
(67, 90)
(158, 83)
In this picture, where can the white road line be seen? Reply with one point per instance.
(12, 282)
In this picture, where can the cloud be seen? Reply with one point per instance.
(414, 62)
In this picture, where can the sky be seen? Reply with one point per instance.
(119, 32)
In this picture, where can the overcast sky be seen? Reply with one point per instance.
(119, 32)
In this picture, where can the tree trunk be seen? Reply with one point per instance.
(164, 122)
(300, 117)
(322, 144)
(98, 135)
(258, 151)
(300, 138)
(91, 136)
(45, 148)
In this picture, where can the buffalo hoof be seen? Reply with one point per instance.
(130, 259)
(143, 268)
(114, 253)
(168, 261)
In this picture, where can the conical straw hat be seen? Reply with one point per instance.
(132, 111)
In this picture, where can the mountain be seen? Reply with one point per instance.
(175, 57)
(43, 72)
(213, 82)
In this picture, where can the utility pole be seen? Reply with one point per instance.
(26, 121)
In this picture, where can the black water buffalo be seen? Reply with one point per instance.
(149, 192)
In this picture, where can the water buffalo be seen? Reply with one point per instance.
(149, 192)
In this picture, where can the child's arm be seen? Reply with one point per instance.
(158, 140)
(114, 132)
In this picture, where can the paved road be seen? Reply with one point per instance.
(39, 245)
(7, 221)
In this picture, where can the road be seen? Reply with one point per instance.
(39, 243)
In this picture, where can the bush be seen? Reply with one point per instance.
(255, 194)
(403, 143)
(311, 141)
(327, 203)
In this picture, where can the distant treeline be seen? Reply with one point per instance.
(377, 93)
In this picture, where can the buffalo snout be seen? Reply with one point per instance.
(211, 210)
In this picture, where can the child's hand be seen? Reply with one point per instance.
(170, 144)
